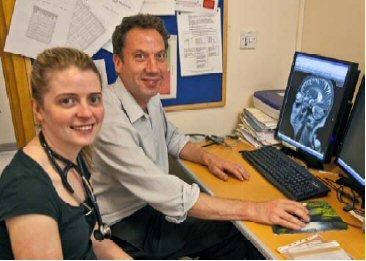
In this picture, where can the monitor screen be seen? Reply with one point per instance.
(351, 156)
(318, 93)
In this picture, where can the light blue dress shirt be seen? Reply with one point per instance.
(131, 158)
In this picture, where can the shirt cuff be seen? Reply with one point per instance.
(188, 205)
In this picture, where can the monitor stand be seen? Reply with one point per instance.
(310, 161)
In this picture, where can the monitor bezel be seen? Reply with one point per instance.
(309, 156)
(341, 144)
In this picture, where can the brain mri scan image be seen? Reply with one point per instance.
(310, 110)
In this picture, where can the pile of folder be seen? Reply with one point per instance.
(269, 101)
(256, 127)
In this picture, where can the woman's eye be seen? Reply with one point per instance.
(67, 101)
(95, 99)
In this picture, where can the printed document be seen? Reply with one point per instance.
(111, 13)
(83, 24)
(200, 45)
(158, 7)
(39, 24)
(196, 5)
(87, 31)
(168, 89)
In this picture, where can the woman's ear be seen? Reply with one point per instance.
(37, 110)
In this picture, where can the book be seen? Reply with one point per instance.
(253, 139)
(257, 128)
(262, 120)
(259, 135)
(322, 217)
(246, 137)
(269, 101)
(248, 123)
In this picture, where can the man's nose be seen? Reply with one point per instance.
(152, 65)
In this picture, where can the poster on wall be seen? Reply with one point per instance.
(168, 88)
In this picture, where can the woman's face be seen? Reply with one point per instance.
(72, 110)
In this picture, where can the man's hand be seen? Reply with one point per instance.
(219, 167)
(283, 212)
(222, 168)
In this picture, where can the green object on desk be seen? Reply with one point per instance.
(322, 217)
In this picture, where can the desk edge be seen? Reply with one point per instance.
(238, 224)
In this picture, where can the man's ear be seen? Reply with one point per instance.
(117, 63)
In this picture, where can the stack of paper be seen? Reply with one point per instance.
(314, 248)
(269, 101)
(256, 127)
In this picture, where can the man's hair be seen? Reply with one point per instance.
(143, 21)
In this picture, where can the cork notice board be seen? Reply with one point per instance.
(193, 92)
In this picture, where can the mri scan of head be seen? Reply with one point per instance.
(310, 110)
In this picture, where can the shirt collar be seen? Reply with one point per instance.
(133, 110)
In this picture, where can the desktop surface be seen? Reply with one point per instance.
(257, 188)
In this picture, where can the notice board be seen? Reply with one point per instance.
(193, 92)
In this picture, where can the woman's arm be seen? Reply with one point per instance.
(34, 236)
(107, 249)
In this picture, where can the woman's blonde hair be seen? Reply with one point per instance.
(53, 60)
(57, 59)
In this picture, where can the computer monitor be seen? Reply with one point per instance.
(351, 153)
(317, 102)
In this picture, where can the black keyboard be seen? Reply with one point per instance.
(292, 179)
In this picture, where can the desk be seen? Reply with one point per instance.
(257, 188)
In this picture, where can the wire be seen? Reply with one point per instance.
(350, 199)
(215, 140)
(329, 183)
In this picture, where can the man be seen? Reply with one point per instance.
(153, 214)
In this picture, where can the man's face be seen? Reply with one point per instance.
(144, 64)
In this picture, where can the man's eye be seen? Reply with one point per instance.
(161, 56)
(140, 56)
(95, 99)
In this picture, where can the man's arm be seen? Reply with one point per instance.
(219, 167)
(286, 213)
(282, 212)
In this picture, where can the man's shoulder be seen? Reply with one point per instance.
(111, 97)
(109, 92)
(155, 103)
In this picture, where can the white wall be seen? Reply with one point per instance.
(267, 66)
(329, 27)
(334, 28)
(6, 124)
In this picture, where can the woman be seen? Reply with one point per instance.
(47, 207)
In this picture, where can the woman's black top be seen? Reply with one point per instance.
(25, 188)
